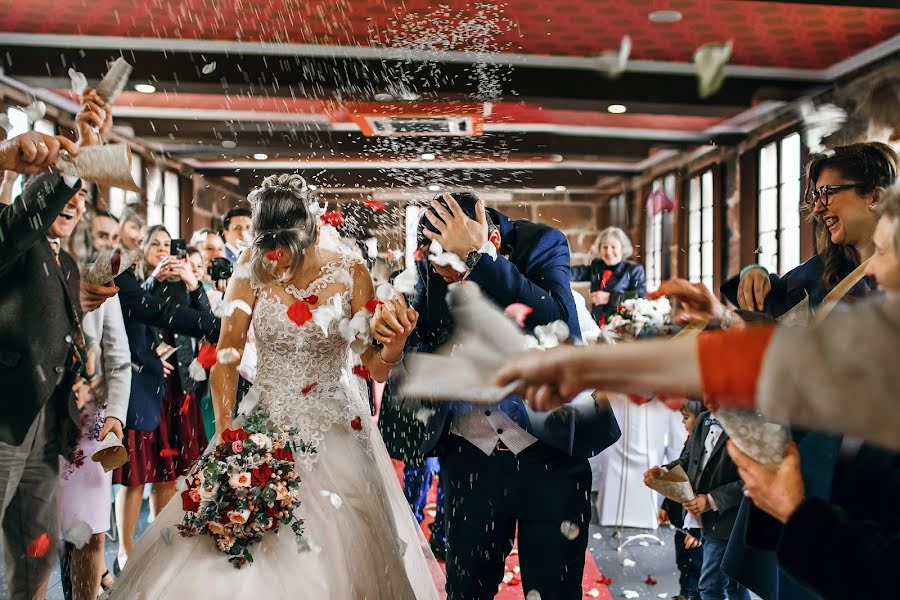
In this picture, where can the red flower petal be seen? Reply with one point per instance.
(372, 304)
(311, 299)
(187, 400)
(420, 254)
(275, 255)
(168, 452)
(518, 312)
(39, 547)
(651, 580)
(334, 218)
(362, 371)
(356, 423)
(299, 312)
(309, 388)
(374, 204)
(206, 356)
(604, 579)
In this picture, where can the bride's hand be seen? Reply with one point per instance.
(393, 322)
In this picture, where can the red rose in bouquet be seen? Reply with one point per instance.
(260, 475)
(283, 454)
(233, 435)
(190, 500)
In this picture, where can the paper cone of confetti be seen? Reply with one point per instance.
(104, 165)
(710, 60)
(114, 81)
(110, 453)
(762, 441)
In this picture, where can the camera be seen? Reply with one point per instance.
(220, 269)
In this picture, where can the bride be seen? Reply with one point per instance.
(362, 539)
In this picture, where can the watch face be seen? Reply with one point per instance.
(472, 258)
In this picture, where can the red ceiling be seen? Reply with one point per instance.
(764, 33)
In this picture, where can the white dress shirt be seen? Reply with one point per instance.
(712, 436)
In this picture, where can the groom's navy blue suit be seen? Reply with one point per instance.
(487, 497)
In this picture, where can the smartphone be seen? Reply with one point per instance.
(178, 248)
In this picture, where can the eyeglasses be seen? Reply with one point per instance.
(823, 194)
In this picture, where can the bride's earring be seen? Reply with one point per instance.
(873, 206)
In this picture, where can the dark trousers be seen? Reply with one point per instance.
(487, 497)
(689, 563)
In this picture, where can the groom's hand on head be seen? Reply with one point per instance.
(457, 233)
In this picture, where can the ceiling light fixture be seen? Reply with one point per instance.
(145, 88)
(260, 156)
(434, 188)
(664, 16)
(560, 188)
(428, 156)
(616, 109)
(229, 144)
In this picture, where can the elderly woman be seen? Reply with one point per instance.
(613, 278)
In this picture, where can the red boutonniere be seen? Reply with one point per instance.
(372, 304)
(39, 547)
(299, 312)
(356, 423)
(375, 205)
(362, 371)
(206, 356)
(309, 388)
(334, 218)
(233, 435)
(275, 255)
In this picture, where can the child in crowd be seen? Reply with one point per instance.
(719, 491)
(688, 550)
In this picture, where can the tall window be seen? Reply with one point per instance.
(172, 203)
(778, 233)
(412, 224)
(154, 196)
(618, 211)
(19, 122)
(700, 229)
(658, 233)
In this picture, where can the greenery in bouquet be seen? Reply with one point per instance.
(244, 488)
(638, 318)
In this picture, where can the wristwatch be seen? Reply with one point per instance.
(472, 259)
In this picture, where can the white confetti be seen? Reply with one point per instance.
(820, 122)
(208, 68)
(569, 530)
(35, 111)
(326, 314)
(79, 82)
(249, 401)
(371, 247)
(78, 534)
(597, 536)
(241, 270)
(423, 414)
(645, 544)
(663, 595)
(336, 500)
(533, 595)
(385, 292)
(628, 563)
(612, 63)
(630, 594)
(5, 123)
(356, 331)
(593, 593)
(507, 577)
(710, 61)
(228, 356)
(226, 309)
(405, 282)
(552, 334)
(196, 371)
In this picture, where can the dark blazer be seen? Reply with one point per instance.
(719, 479)
(532, 268)
(849, 547)
(37, 298)
(141, 310)
(628, 280)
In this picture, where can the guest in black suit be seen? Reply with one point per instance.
(41, 350)
(505, 467)
(613, 278)
(719, 492)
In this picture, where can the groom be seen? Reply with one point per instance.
(503, 466)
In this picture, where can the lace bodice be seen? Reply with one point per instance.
(305, 376)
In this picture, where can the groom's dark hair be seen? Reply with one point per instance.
(466, 201)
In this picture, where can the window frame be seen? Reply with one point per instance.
(708, 243)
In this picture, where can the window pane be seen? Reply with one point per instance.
(790, 158)
(790, 204)
(172, 204)
(669, 186)
(412, 222)
(768, 166)
(708, 188)
(19, 122)
(706, 252)
(768, 251)
(694, 227)
(44, 126)
(768, 210)
(154, 197)
(789, 249)
(137, 173)
(117, 202)
(694, 199)
(694, 262)
(707, 224)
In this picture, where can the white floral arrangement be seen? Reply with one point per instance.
(639, 317)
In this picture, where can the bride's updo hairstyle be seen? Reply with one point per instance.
(283, 218)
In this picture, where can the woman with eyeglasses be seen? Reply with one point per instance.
(844, 188)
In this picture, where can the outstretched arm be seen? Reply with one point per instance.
(223, 378)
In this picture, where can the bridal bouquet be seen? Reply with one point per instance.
(243, 489)
(639, 317)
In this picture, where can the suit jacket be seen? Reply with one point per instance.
(532, 268)
(719, 479)
(37, 299)
(141, 310)
(628, 280)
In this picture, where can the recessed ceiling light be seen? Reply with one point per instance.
(428, 156)
(434, 188)
(260, 156)
(556, 157)
(229, 144)
(145, 88)
(384, 98)
(616, 109)
(560, 188)
(665, 16)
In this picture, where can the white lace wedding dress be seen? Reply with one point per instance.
(365, 542)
